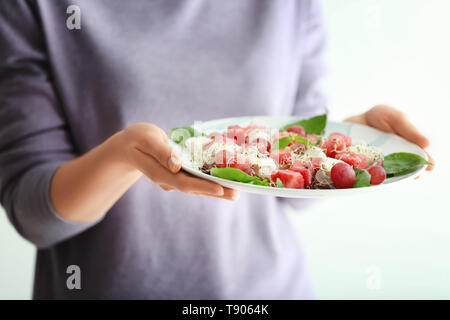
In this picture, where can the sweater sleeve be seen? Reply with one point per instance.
(310, 100)
(34, 137)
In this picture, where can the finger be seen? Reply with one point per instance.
(180, 181)
(166, 188)
(229, 194)
(404, 128)
(190, 184)
(430, 159)
(155, 143)
(232, 194)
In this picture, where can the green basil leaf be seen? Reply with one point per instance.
(285, 141)
(401, 163)
(362, 178)
(315, 125)
(237, 175)
(281, 143)
(303, 140)
(181, 134)
(279, 183)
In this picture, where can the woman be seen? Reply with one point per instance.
(84, 160)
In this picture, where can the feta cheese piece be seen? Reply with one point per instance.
(264, 166)
(210, 153)
(312, 152)
(194, 146)
(252, 152)
(328, 163)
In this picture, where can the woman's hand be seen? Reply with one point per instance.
(145, 147)
(85, 188)
(391, 120)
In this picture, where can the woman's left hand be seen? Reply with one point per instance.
(391, 120)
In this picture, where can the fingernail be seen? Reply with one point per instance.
(235, 196)
(174, 162)
(221, 192)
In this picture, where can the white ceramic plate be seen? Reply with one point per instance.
(388, 143)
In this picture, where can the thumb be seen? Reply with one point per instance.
(406, 129)
(156, 146)
(174, 162)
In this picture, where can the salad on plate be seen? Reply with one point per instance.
(297, 156)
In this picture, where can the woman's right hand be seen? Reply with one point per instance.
(145, 147)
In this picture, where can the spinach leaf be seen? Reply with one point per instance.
(281, 143)
(237, 175)
(181, 134)
(315, 125)
(362, 178)
(285, 141)
(303, 140)
(401, 163)
(279, 183)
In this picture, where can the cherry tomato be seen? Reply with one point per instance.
(378, 175)
(343, 175)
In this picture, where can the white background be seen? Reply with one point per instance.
(384, 245)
